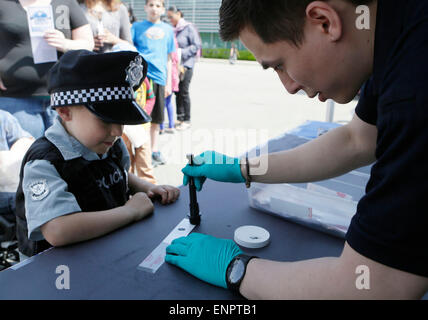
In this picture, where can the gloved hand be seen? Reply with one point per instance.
(213, 165)
(203, 256)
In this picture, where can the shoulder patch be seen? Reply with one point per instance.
(38, 189)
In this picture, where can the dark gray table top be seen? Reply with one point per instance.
(106, 268)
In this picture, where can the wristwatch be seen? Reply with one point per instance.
(235, 272)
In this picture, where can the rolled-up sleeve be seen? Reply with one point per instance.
(46, 196)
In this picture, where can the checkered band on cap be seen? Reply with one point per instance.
(73, 97)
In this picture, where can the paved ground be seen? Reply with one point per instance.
(235, 107)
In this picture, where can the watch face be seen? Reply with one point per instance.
(237, 271)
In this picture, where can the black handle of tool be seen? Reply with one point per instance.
(195, 217)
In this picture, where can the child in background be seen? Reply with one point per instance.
(154, 40)
(137, 138)
(174, 83)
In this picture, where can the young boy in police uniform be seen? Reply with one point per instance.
(74, 184)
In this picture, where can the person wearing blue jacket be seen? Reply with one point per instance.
(189, 43)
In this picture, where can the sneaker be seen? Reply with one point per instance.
(178, 123)
(170, 130)
(158, 158)
(154, 163)
(184, 126)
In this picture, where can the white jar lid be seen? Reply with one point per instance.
(252, 237)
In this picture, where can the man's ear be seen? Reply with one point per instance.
(65, 113)
(324, 18)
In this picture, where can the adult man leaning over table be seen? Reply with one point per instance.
(321, 47)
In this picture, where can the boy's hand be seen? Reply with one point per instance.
(168, 194)
(140, 205)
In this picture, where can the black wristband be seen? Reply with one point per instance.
(247, 167)
(236, 270)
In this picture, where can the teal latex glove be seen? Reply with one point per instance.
(205, 257)
(215, 166)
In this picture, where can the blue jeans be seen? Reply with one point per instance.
(170, 110)
(7, 205)
(34, 113)
(7, 216)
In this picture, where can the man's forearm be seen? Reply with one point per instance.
(330, 278)
(267, 279)
(332, 154)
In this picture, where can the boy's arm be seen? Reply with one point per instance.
(166, 194)
(137, 184)
(336, 152)
(350, 276)
(81, 226)
(54, 214)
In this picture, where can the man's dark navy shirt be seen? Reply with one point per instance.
(391, 223)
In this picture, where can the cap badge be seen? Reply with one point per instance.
(134, 72)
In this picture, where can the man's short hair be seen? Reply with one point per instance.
(273, 20)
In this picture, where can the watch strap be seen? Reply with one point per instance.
(247, 169)
(245, 259)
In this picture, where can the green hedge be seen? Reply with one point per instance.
(246, 55)
(223, 53)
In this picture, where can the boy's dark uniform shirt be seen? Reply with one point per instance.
(97, 185)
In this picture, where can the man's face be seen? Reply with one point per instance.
(154, 9)
(317, 66)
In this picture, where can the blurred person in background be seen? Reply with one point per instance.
(175, 80)
(23, 90)
(189, 43)
(109, 20)
(234, 53)
(14, 143)
(154, 40)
